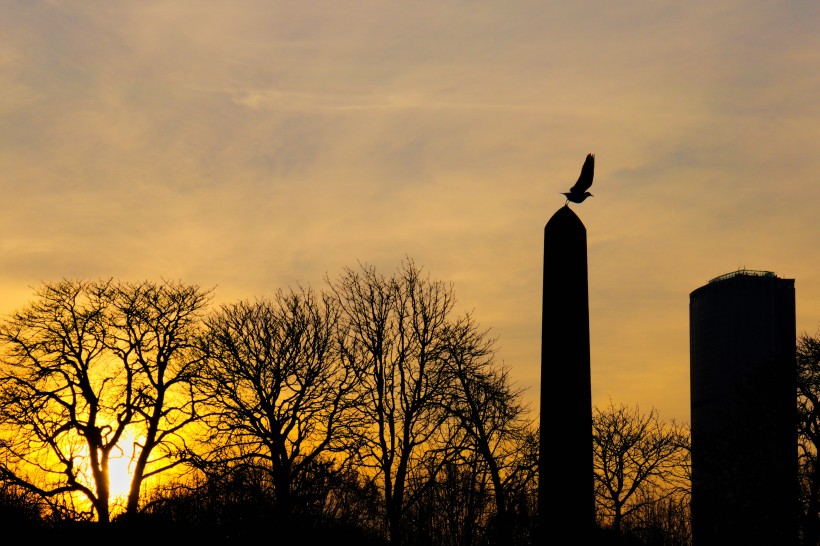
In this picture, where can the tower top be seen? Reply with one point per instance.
(743, 272)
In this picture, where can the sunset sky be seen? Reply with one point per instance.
(250, 145)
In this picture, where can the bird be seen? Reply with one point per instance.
(578, 192)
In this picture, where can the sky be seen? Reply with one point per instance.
(253, 145)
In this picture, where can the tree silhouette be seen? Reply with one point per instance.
(61, 411)
(81, 365)
(156, 328)
(396, 327)
(808, 430)
(488, 418)
(663, 522)
(638, 460)
(369, 411)
(19, 507)
(277, 388)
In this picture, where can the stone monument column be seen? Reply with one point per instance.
(566, 498)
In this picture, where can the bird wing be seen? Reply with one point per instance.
(585, 180)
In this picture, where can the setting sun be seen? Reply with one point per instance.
(120, 467)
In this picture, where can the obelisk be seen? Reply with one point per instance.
(566, 498)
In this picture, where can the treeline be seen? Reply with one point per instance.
(369, 405)
(368, 410)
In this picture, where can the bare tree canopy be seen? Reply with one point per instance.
(488, 420)
(430, 399)
(638, 459)
(396, 327)
(156, 329)
(277, 388)
(371, 404)
(81, 365)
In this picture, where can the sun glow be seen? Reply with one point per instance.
(120, 468)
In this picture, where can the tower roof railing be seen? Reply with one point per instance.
(746, 272)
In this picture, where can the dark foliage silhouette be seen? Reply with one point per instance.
(240, 505)
(20, 508)
(808, 430)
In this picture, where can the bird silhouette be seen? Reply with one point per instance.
(578, 192)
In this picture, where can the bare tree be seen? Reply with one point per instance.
(661, 522)
(81, 365)
(19, 507)
(278, 390)
(395, 331)
(454, 507)
(488, 417)
(64, 403)
(808, 435)
(155, 336)
(637, 459)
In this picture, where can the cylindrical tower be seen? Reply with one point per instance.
(743, 409)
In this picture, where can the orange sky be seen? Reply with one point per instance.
(255, 144)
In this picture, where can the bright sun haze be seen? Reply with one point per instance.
(120, 467)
